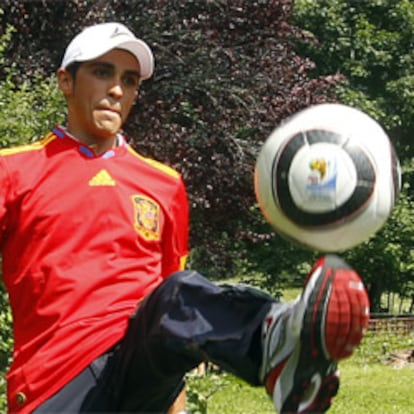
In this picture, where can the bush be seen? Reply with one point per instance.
(28, 110)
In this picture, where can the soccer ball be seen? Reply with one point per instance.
(327, 178)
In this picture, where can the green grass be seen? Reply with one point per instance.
(368, 390)
(375, 389)
(225, 394)
(291, 294)
(368, 384)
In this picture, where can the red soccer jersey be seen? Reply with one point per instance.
(84, 238)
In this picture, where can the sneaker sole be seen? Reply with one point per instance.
(337, 311)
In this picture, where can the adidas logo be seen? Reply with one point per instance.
(102, 179)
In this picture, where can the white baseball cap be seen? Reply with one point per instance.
(95, 41)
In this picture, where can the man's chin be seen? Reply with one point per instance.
(108, 131)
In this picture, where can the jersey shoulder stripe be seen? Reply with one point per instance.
(156, 164)
(35, 146)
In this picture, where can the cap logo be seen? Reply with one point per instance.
(117, 32)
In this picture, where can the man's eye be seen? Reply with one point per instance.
(102, 72)
(131, 81)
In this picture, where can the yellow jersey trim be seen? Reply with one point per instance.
(156, 164)
(36, 146)
(183, 262)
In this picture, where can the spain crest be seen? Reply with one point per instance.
(147, 217)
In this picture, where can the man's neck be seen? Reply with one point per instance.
(100, 144)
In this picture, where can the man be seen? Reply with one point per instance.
(94, 242)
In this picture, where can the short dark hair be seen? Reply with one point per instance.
(73, 69)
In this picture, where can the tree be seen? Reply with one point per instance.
(226, 75)
(370, 43)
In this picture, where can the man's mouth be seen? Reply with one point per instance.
(110, 109)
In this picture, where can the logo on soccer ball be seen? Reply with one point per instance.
(321, 182)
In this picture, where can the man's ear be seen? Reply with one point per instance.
(65, 81)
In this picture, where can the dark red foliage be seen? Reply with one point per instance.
(226, 75)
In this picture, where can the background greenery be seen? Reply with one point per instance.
(227, 73)
(370, 384)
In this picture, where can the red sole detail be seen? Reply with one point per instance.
(347, 314)
(273, 376)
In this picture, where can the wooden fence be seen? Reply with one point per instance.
(403, 324)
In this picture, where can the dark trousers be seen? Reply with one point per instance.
(185, 321)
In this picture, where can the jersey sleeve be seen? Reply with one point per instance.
(175, 237)
(4, 191)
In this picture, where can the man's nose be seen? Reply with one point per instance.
(115, 89)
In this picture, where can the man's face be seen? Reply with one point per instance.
(101, 96)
